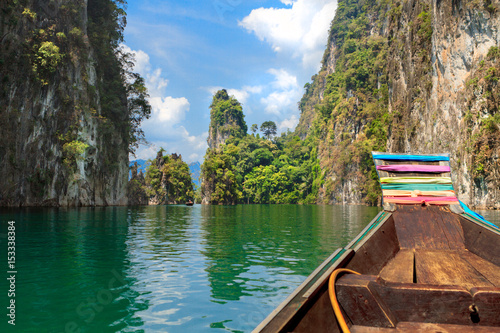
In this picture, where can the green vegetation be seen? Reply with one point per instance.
(353, 118)
(29, 14)
(258, 170)
(73, 151)
(252, 169)
(167, 180)
(484, 116)
(120, 89)
(269, 129)
(49, 54)
(226, 115)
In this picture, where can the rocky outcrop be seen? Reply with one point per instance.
(226, 119)
(168, 181)
(136, 188)
(441, 71)
(218, 185)
(58, 144)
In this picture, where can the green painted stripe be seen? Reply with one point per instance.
(420, 187)
(416, 180)
(488, 225)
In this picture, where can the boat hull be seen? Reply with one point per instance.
(420, 266)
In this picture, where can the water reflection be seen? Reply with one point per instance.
(168, 268)
(258, 254)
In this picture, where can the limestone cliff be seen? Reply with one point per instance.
(218, 184)
(416, 76)
(65, 133)
(226, 119)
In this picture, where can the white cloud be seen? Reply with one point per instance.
(165, 111)
(163, 128)
(192, 147)
(289, 123)
(300, 30)
(155, 83)
(283, 100)
(283, 79)
(168, 109)
(241, 95)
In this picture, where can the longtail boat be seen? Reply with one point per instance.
(426, 263)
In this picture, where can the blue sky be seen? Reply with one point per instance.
(262, 52)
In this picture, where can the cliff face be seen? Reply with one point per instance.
(226, 119)
(59, 143)
(431, 87)
(218, 184)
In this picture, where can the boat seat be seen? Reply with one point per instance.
(459, 267)
(407, 327)
(369, 301)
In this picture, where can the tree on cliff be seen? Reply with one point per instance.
(219, 185)
(66, 80)
(168, 180)
(226, 118)
(268, 128)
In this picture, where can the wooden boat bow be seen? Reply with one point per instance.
(426, 264)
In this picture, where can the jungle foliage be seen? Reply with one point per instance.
(168, 180)
(249, 168)
(253, 169)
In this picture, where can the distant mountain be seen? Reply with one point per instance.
(142, 165)
(195, 168)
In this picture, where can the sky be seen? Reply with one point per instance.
(262, 52)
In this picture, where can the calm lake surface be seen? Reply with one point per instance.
(166, 268)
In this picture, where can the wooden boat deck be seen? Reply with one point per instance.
(425, 264)
(433, 278)
(408, 327)
(423, 269)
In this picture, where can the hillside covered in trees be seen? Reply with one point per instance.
(167, 180)
(415, 76)
(248, 168)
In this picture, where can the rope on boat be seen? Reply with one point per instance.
(333, 297)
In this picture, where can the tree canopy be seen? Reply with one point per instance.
(269, 129)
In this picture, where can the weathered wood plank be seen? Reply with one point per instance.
(490, 271)
(407, 327)
(400, 268)
(376, 251)
(425, 303)
(417, 228)
(320, 317)
(447, 268)
(487, 302)
(481, 241)
(450, 225)
(359, 304)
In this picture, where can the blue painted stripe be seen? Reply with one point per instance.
(420, 158)
(476, 215)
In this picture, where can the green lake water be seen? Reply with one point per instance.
(166, 268)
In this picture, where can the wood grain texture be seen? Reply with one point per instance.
(487, 269)
(487, 302)
(406, 327)
(425, 303)
(429, 227)
(381, 247)
(400, 268)
(481, 241)
(360, 304)
(447, 268)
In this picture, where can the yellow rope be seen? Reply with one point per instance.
(333, 297)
